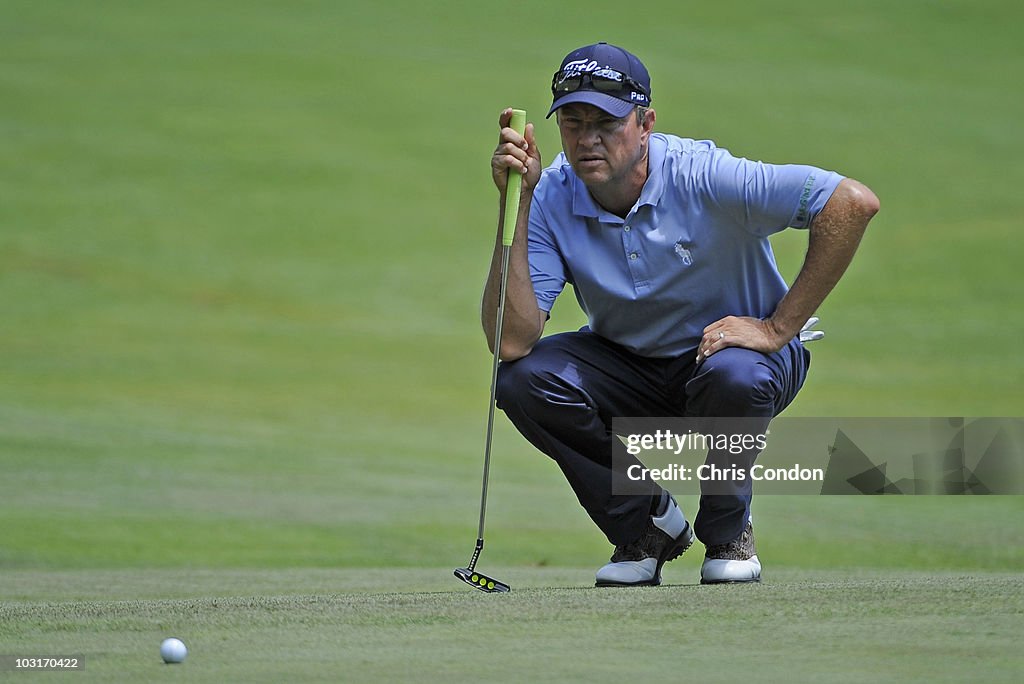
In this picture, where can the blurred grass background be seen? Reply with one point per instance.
(242, 247)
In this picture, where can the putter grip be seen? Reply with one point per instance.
(515, 184)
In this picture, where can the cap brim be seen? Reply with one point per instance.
(613, 105)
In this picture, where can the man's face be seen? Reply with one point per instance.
(602, 150)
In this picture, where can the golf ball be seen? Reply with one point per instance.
(173, 650)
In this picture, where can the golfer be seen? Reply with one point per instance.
(665, 241)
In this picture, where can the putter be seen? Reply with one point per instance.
(470, 575)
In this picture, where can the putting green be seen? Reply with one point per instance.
(399, 624)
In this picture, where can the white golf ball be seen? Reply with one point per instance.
(173, 650)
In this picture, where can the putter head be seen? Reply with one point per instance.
(481, 581)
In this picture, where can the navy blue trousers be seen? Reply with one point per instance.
(563, 395)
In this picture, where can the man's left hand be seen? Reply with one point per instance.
(741, 331)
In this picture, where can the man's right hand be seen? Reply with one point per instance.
(516, 154)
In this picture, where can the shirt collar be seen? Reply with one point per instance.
(654, 188)
(583, 204)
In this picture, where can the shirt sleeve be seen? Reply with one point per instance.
(767, 198)
(547, 268)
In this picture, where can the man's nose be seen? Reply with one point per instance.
(590, 134)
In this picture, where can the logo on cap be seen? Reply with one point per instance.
(581, 65)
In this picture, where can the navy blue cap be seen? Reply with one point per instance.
(604, 56)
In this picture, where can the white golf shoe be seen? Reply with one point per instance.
(733, 562)
(638, 564)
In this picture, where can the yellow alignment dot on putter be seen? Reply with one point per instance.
(483, 581)
(474, 578)
(490, 585)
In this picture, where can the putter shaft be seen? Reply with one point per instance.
(505, 249)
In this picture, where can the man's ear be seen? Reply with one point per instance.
(649, 124)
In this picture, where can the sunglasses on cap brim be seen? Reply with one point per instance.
(603, 80)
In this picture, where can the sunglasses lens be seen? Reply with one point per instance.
(607, 80)
(567, 83)
(606, 84)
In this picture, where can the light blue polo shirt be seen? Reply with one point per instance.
(692, 250)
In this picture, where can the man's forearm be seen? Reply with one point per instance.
(524, 320)
(834, 238)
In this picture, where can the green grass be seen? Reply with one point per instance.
(369, 626)
(243, 386)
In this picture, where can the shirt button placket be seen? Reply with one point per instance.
(627, 240)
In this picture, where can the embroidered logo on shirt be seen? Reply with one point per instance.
(683, 253)
(805, 200)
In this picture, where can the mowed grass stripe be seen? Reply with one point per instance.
(846, 628)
